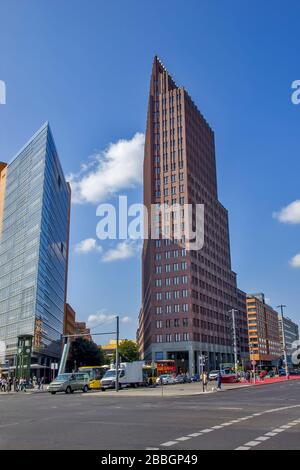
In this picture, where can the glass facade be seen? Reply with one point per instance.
(34, 248)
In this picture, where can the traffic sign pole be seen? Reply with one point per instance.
(254, 364)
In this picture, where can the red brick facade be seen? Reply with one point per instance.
(186, 294)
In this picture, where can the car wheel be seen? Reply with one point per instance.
(53, 393)
(103, 389)
(85, 389)
(68, 390)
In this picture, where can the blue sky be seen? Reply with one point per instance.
(85, 67)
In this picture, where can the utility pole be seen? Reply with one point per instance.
(235, 349)
(283, 341)
(201, 369)
(117, 356)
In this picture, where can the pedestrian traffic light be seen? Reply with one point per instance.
(23, 360)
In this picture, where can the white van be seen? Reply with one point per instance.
(130, 375)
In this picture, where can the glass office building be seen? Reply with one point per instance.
(34, 249)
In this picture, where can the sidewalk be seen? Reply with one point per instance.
(28, 391)
(185, 390)
(167, 390)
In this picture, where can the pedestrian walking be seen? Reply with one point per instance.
(16, 384)
(42, 381)
(10, 383)
(3, 384)
(219, 381)
(205, 381)
(22, 385)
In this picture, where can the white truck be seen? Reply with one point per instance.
(130, 375)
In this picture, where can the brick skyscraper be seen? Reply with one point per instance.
(186, 294)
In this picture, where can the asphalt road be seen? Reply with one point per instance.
(266, 417)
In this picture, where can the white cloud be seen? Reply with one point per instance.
(126, 319)
(118, 167)
(124, 250)
(101, 317)
(295, 261)
(88, 245)
(289, 214)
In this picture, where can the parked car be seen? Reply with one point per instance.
(68, 383)
(179, 379)
(165, 379)
(213, 375)
(195, 378)
(282, 372)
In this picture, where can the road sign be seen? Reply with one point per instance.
(253, 363)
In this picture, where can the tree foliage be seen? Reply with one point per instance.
(128, 351)
(86, 353)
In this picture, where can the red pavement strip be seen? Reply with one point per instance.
(271, 381)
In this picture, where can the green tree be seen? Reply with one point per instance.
(128, 351)
(86, 353)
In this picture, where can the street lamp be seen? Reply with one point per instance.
(253, 362)
(283, 341)
(235, 348)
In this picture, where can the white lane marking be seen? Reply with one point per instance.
(252, 443)
(230, 408)
(8, 424)
(244, 418)
(268, 435)
(152, 448)
(168, 444)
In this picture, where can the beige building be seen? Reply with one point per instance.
(264, 340)
(80, 328)
(69, 320)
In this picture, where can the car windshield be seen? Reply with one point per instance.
(109, 374)
(214, 372)
(87, 371)
(63, 377)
